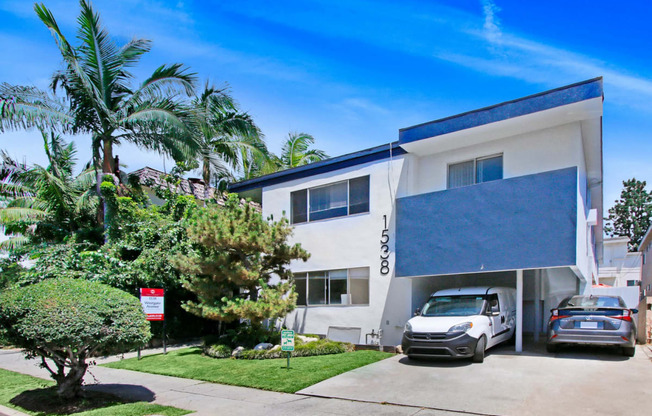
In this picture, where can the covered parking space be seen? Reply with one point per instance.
(537, 290)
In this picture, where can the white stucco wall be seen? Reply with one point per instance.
(350, 242)
(540, 151)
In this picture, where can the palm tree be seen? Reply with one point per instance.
(230, 140)
(95, 80)
(47, 203)
(297, 151)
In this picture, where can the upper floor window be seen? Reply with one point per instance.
(330, 201)
(483, 169)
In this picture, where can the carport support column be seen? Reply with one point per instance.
(537, 304)
(519, 310)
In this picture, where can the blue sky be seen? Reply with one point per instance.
(351, 73)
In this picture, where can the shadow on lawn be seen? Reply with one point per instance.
(46, 401)
(192, 351)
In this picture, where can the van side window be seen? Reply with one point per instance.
(492, 303)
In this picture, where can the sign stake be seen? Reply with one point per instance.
(287, 343)
(165, 344)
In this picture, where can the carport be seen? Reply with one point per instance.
(537, 291)
(527, 232)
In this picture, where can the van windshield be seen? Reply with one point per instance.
(462, 305)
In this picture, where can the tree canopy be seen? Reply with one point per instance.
(68, 321)
(236, 253)
(630, 215)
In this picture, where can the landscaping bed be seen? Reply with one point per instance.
(36, 396)
(270, 374)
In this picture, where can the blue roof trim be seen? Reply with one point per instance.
(328, 165)
(569, 94)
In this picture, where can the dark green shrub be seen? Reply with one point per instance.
(249, 336)
(217, 350)
(321, 347)
(68, 321)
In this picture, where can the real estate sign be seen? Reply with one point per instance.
(153, 305)
(287, 340)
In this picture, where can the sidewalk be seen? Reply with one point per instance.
(209, 399)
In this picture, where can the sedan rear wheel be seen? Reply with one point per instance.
(552, 348)
(629, 351)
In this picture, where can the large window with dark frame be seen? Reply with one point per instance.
(333, 287)
(482, 169)
(329, 201)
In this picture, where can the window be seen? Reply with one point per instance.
(470, 172)
(333, 287)
(632, 283)
(299, 206)
(330, 201)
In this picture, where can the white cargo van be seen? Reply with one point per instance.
(461, 322)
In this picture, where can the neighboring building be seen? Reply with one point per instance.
(619, 267)
(150, 178)
(646, 267)
(508, 195)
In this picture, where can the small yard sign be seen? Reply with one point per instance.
(287, 343)
(152, 301)
(287, 340)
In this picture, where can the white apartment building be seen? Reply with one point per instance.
(508, 195)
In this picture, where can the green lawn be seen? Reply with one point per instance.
(13, 385)
(261, 374)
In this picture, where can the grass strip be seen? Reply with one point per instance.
(39, 398)
(261, 374)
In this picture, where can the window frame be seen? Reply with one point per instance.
(475, 169)
(306, 276)
(348, 201)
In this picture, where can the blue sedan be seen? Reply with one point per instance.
(592, 320)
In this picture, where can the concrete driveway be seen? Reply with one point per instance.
(578, 381)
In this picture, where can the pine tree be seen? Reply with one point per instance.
(236, 254)
(630, 216)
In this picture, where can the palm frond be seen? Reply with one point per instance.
(14, 242)
(131, 52)
(79, 86)
(166, 80)
(23, 107)
(12, 214)
(296, 151)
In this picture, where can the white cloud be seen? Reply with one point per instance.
(491, 22)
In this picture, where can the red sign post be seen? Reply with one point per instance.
(153, 301)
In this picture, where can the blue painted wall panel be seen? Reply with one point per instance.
(517, 223)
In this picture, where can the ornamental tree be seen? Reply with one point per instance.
(630, 216)
(66, 321)
(236, 254)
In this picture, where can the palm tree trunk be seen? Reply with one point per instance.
(107, 161)
(107, 168)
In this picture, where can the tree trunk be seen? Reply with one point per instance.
(107, 160)
(69, 386)
(107, 167)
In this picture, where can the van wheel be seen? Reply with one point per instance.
(478, 354)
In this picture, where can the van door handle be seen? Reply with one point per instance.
(502, 319)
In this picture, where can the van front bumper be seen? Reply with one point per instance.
(455, 345)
